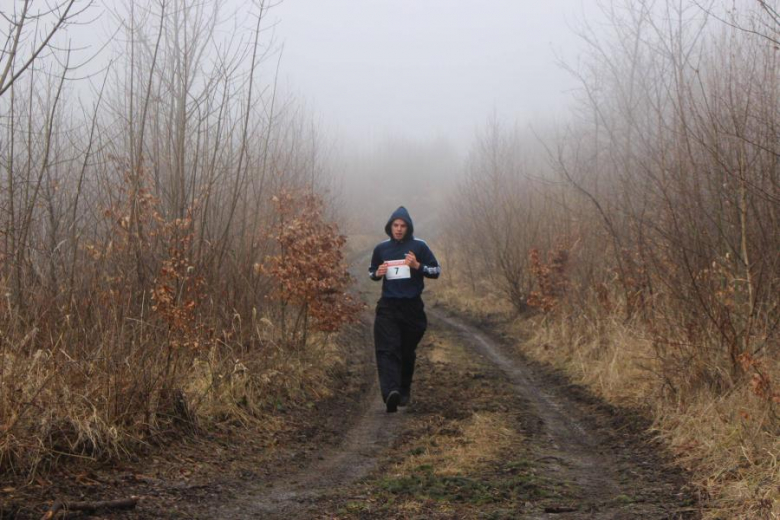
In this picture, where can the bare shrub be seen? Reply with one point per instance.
(132, 310)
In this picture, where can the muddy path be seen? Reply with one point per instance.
(367, 431)
(615, 467)
(487, 436)
(354, 458)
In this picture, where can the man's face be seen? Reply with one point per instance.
(398, 227)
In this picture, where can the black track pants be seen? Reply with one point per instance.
(399, 326)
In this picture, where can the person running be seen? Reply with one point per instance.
(402, 263)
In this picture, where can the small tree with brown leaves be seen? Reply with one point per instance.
(550, 277)
(309, 270)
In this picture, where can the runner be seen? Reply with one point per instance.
(401, 262)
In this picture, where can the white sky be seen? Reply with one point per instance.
(426, 69)
(415, 70)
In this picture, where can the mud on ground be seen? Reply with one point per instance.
(489, 436)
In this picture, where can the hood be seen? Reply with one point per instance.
(403, 215)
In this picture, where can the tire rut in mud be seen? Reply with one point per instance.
(617, 474)
(369, 432)
(566, 457)
(490, 436)
(355, 458)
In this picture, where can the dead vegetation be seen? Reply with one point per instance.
(143, 234)
(640, 245)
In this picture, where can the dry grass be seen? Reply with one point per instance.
(438, 353)
(607, 356)
(732, 443)
(466, 449)
(480, 301)
(246, 389)
(729, 441)
(138, 359)
(58, 406)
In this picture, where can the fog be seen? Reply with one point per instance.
(427, 70)
(401, 88)
(395, 91)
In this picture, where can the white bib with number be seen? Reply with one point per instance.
(397, 269)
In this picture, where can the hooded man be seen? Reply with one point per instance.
(402, 263)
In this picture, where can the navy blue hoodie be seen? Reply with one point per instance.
(392, 249)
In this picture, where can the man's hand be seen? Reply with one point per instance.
(411, 261)
(381, 270)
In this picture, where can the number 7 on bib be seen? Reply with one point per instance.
(397, 270)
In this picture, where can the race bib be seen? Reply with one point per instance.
(397, 269)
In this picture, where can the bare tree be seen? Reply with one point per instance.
(25, 42)
(134, 231)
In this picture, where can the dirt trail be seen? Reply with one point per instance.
(594, 470)
(355, 458)
(568, 441)
(572, 449)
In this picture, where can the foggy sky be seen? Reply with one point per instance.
(373, 70)
(427, 69)
(399, 88)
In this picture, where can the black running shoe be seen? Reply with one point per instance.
(406, 396)
(392, 401)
